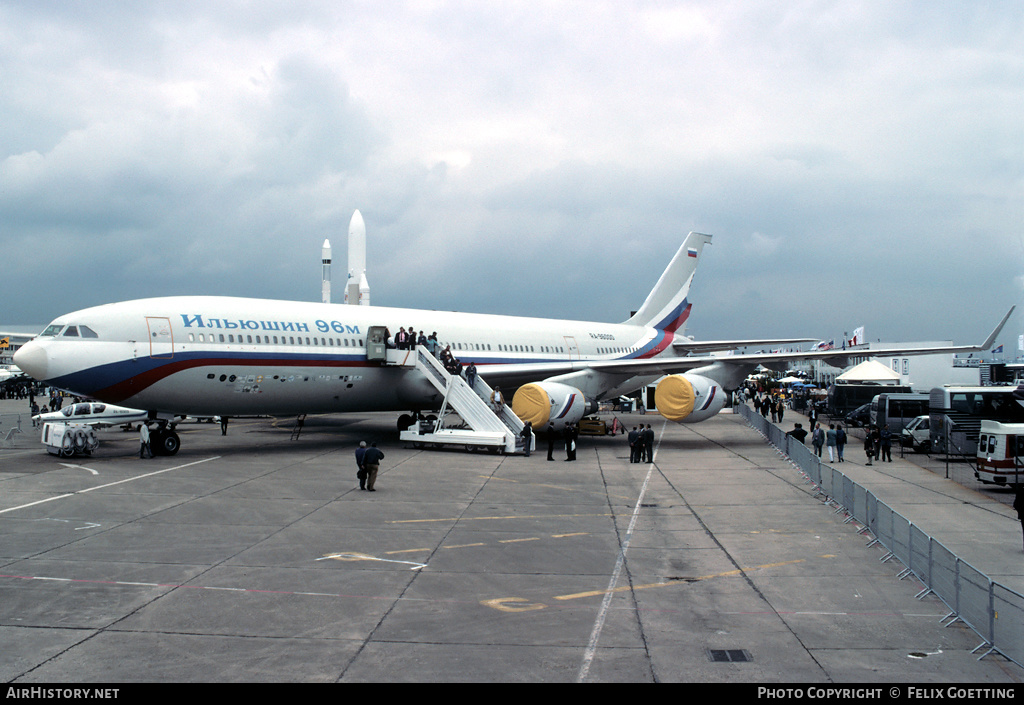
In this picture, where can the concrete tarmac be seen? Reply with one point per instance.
(253, 557)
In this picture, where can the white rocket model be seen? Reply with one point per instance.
(326, 257)
(358, 289)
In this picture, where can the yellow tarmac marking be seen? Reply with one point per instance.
(522, 605)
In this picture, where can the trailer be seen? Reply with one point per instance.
(69, 439)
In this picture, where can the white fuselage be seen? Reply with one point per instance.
(234, 356)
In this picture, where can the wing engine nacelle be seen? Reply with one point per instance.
(688, 398)
(550, 403)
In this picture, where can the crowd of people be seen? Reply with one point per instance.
(19, 389)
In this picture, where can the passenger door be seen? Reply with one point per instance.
(161, 341)
(574, 350)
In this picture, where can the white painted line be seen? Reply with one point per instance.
(79, 467)
(109, 484)
(367, 557)
(602, 614)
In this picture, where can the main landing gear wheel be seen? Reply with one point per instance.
(165, 442)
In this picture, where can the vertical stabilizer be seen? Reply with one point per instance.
(667, 307)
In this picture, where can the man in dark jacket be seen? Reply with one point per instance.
(371, 462)
(360, 469)
(798, 432)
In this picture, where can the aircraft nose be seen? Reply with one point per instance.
(32, 360)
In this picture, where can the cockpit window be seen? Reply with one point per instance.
(52, 329)
(67, 410)
(71, 332)
(87, 332)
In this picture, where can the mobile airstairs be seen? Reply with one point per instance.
(497, 432)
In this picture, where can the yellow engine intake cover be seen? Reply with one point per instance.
(531, 403)
(674, 397)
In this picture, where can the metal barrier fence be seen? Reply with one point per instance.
(13, 424)
(993, 611)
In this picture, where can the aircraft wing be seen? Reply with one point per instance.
(705, 346)
(513, 374)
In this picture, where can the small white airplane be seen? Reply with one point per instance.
(223, 356)
(7, 374)
(95, 414)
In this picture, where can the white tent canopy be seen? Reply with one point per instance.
(869, 371)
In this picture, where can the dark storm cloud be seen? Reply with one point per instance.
(857, 163)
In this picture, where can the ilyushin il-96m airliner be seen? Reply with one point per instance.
(224, 356)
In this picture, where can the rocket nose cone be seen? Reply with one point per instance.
(356, 225)
(32, 360)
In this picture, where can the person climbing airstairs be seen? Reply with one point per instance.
(496, 429)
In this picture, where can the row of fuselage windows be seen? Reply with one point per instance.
(614, 351)
(550, 349)
(502, 347)
(275, 340)
(228, 338)
(231, 338)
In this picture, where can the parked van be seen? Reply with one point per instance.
(1000, 447)
(915, 435)
(897, 410)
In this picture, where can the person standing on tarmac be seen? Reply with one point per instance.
(840, 441)
(633, 440)
(360, 468)
(371, 461)
(570, 441)
(648, 436)
(885, 441)
(144, 446)
(869, 444)
(527, 434)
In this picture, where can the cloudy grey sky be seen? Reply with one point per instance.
(858, 163)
